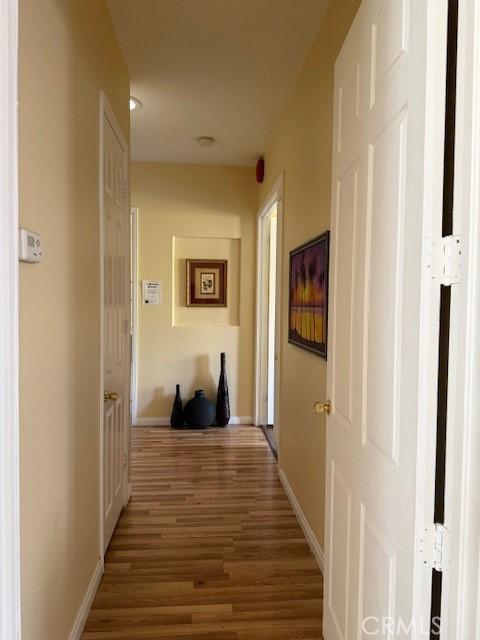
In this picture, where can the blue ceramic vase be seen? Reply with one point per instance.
(199, 411)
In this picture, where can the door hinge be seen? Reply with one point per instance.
(125, 461)
(435, 547)
(444, 259)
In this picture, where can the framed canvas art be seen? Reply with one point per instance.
(308, 308)
(206, 283)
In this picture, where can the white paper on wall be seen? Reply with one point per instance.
(151, 292)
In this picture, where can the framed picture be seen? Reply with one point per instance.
(308, 308)
(206, 283)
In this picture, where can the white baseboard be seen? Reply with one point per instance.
(303, 522)
(84, 610)
(241, 420)
(165, 422)
(151, 422)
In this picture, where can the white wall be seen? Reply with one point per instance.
(301, 148)
(68, 53)
(187, 211)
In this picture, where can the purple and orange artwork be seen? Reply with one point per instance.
(309, 295)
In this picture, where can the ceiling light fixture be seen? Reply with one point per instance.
(135, 104)
(206, 141)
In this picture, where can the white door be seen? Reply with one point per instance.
(272, 310)
(377, 370)
(268, 318)
(116, 234)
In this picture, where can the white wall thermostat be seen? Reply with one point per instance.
(30, 246)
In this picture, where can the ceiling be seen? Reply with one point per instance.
(221, 68)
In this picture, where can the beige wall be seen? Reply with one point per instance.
(196, 212)
(67, 54)
(302, 147)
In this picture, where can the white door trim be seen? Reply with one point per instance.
(461, 599)
(10, 618)
(430, 300)
(275, 196)
(134, 389)
(105, 110)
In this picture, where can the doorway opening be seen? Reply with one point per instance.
(268, 317)
(133, 314)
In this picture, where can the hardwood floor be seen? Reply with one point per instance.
(208, 547)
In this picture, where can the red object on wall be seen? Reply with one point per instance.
(260, 170)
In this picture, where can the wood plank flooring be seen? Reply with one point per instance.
(208, 547)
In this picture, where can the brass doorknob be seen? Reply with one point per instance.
(322, 407)
(110, 395)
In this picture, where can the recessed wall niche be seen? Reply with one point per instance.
(205, 248)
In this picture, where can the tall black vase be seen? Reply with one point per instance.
(223, 401)
(176, 419)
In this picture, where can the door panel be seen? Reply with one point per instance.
(345, 309)
(109, 425)
(340, 534)
(378, 212)
(377, 578)
(389, 40)
(116, 325)
(384, 291)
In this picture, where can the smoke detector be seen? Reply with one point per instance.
(206, 141)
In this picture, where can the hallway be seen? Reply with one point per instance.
(208, 546)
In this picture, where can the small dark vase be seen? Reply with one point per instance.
(223, 400)
(176, 419)
(199, 411)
